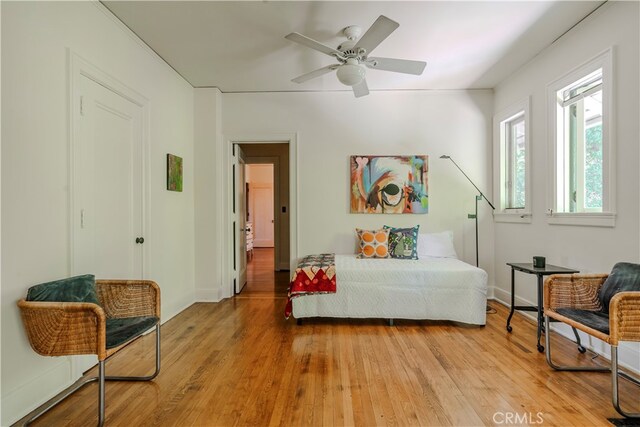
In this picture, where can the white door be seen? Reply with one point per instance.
(240, 219)
(108, 202)
(107, 187)
(262, 215)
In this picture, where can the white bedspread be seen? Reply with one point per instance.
(428, 288)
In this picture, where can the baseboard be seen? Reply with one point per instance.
(628, 352)
(504, 298)
(629, 356)
(169, 313)
(262, 244)
(54, 380)
(491, 291)
(283, 266)
(208, 295)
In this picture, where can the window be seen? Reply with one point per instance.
(515, 163)
(581, 144)
(511, 148)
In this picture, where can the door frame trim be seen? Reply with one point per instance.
(237, 220)
(79, 67)
(227, 224)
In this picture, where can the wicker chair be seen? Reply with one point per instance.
(577, 300)
(73, 328)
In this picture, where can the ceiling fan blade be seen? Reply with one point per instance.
(396, 65)
(304, 40)
(361, 89)
(316, 73)
(379, 31)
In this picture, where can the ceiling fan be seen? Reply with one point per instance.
(353, 56)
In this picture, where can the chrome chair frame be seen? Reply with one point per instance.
(100, 379)
(615, 371)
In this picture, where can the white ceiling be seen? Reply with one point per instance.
(240, 46)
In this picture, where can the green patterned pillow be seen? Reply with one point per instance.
(403, 242)
(72, 289)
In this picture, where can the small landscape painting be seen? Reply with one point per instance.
(174, 173)
(389, 184)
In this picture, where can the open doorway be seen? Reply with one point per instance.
(260, 227)
(263, 238)
(260, 205)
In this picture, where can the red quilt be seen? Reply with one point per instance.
(315, 274)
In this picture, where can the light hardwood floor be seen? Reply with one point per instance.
(261, 277)
(238, 362)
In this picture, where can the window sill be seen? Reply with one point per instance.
(588, 219)
(513, 217)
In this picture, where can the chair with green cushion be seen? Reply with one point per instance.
(605, 306)
(81, 315)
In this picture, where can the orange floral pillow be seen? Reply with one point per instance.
(373, 243)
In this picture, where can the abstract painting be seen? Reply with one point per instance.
(174, 173)
(389, 184)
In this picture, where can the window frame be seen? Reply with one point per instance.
(501, 121)
(606, 217)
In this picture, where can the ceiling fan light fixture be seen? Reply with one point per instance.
(353, 56)
(351, 73)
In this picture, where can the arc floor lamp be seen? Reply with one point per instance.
(478, 197)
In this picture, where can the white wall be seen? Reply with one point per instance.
(332, 126)
(35, 171)
(588, 249)
(260, 174)
(208, 178)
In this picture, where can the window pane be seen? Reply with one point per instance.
(593, 152)
(514, 166)
(519, 166)
(593, 168)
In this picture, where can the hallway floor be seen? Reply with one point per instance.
(262, 279)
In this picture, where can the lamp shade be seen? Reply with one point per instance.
(351, 73)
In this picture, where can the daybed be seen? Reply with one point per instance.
(426, 288)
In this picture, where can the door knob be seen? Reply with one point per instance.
(140, 240)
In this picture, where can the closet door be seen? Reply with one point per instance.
(107, 184)
(263, 215)
(108, 240)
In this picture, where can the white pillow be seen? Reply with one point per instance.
(438, 245)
